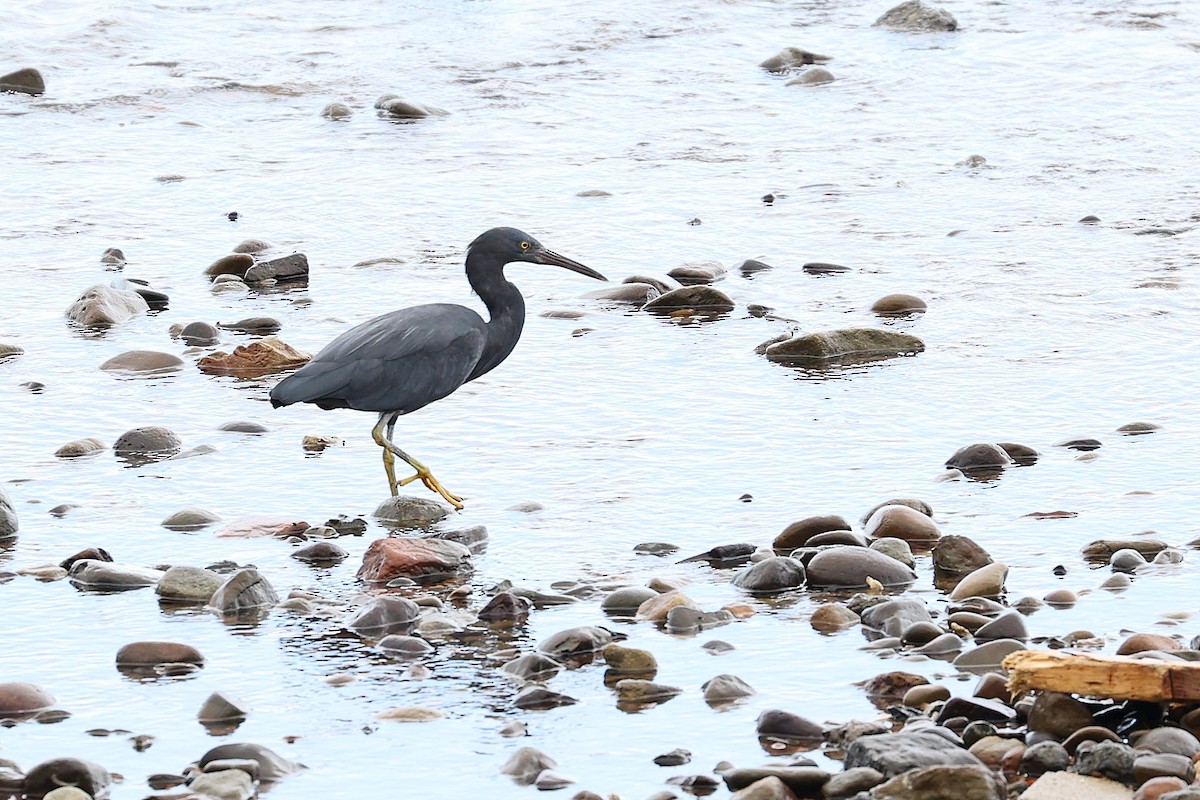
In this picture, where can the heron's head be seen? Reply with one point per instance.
(505, 245)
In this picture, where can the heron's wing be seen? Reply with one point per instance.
(399, 361)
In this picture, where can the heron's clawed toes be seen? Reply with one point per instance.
(434, 485)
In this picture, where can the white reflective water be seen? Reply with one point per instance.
(1038, 329)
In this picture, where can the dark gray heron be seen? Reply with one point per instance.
(404, 360)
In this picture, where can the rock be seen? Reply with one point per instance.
(897, 305)
(1083, 444)
(532, 667)
(404, 647)
(1149, 766)
(581, 641)
(103, 306)
(411, 512)
(658, 607)
(384, 615)
(254, 325)
(798, 533)
(838, 537)
(968, 782)
(286, 268)
(232, 264)
(262, 527)
(549, 780)
(626, 601)
(271, 765)
(1021, 454)
(244, 590)
(395, 106)
(697, 274)
(142, 362)
(792, 57)
(987, 581)
(252, 246)
(58, 772)
(832, 617)
(636, 293)
(190, 519)
(1138, 428)
(423, 560)
(243, 426)
(636, 693)
(723, 691)
(336, 111)
(18, 698)
(724, 554)
(105, 576)
(902, 522)
(1111, 760)
(980, 459)
(676, 758)
(956, 556)
(849, 345)
(526, 764)
(1168, 740)
(1090, 733)
(814, 77)
(700, 298)
(988, 656)
(894, 753)
(8, 516)
(26, 80)
(976, 709)
(785, 725)
(1141, 642)
(321, 554)
(254, 360)
(921, 696)
(220, 709)
(1010, 625)
(897, 549)
(774, 574)
(768, 788)
(914, 16)
(681, 619)
(1068, 786)
(1102, 550)
(143, 445)
(225, 784)
(67, 793)
(1044, 757)
(199, 334)
(848, 783)
(148, 654)
(849, 567)
(1169, 787)
(80, 447)
(893, 617)
(628, 659)
(802, 781)
(506, 607)
(9, 351)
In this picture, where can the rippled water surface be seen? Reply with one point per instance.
(160, 119)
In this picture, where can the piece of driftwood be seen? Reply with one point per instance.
(1117, 677)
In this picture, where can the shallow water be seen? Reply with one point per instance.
(1039, 329)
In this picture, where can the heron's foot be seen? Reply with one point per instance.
(434, 485)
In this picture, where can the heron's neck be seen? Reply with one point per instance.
(506, 310)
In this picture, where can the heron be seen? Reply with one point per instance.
(404, 360)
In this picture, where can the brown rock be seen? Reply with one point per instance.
(798, 533)
(832, 617)
(233, 264)
(898, 304)
(18, 698)
(142, 361)
(902, 522)
(921, 696)
(658, 607)
(1141, 642)
(146, 654)
(390, 558)
(1157, 787)
(26, 80)
(984, 582)
(254, 360)
(1058, 714)
(768, 788)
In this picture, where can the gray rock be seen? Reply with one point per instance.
(637, 692)
(697, 274)
(774, 574)
(987, 581)
(532, 667)
(103, 306)
(254, 325)
(199, 334)
(8, 516)
(955, 556)
(220, 708)
(625, 601)
(539, 698)
(967, 782)
(1111, 760)
(9, 351)
(848, 567)
(190, 519)
(143, 362)
(685, 619)
(815, 76)
(80, 447)
(321, 554)
(1168, 740)
(849, 345)
(676, 758)
(1081, 444)
(143, 445)
(701, 298)
(526, 764)
(244, 590)
(802, 781)
(785, 725)
(411, 512)
(84, 775)
(663, 285)
(724, 690)
(397, 107)
(404, 647)
(637, 294)
(894, 753)
(225, 784)
(988, 656)
(336, 111)
(893, 617)
(1138, 428)
(851, 782)
(915, 16)
(579, 641)
(506, 607)
(790, 58)
(271, 766)
(384, 615)
(105, 576)
(979, 458)
(285, 268)
(1044, 757)
(1020, 453)
(895, 548)
(184, 584)
(1162, 765)
(26, 80)
(243, 426)
(1010, 625)
(1127, 560)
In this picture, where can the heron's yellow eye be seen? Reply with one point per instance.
(524, 245)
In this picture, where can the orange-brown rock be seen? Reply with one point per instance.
(18, 697)
(263, 357)
(902, 522)
(1141, 642)
(411, 557)
(1156, 787)
(144, 654)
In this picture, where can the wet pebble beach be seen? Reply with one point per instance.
(867, 474)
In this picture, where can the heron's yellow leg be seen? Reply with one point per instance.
(423, 473)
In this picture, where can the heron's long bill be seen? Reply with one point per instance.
(554, 259)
